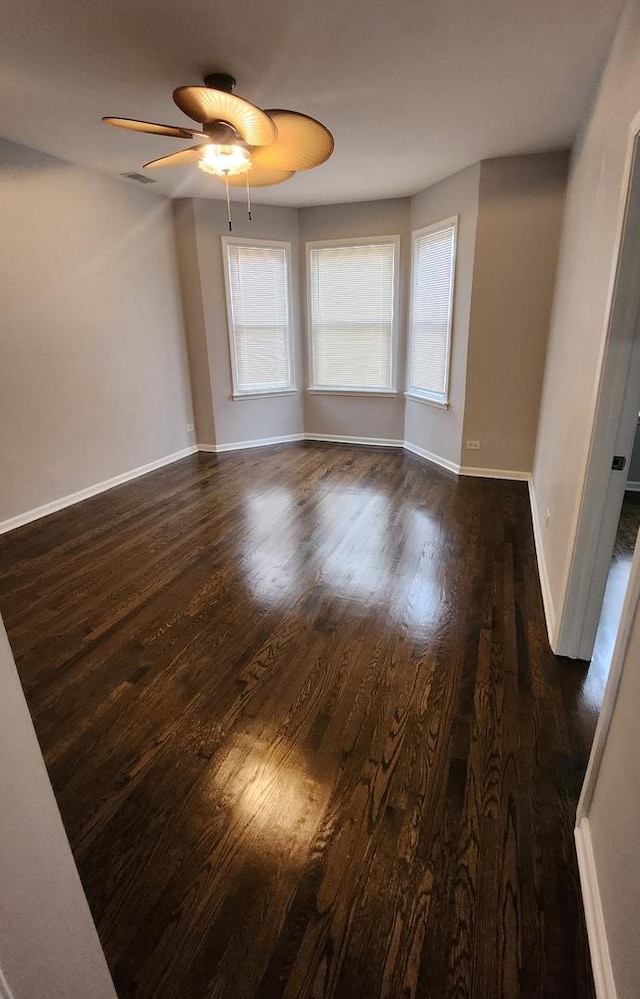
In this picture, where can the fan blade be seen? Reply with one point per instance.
(260, 176)
(302, 143)
(150, 126)
(184, 157)
(204, 104)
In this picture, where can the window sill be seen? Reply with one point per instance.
(356, 393)
(237, 396)
(426, 402)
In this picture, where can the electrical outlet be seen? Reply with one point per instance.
(473, 445)
(189, 428)
(547, 516)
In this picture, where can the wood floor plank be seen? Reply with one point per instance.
(305, 729)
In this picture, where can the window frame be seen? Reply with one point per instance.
(314, 389)
(291, 389)
(437, 399)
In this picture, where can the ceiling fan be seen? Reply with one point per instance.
(240, 143)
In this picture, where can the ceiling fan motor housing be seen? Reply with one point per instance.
(220, 81)
(222, 132)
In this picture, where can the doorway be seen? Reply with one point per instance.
(614, 430)
(620, 567)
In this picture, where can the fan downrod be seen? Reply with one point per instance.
(220, 81)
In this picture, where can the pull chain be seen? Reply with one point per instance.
(226, 180)
(248, 195)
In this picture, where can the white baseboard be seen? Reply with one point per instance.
(339, 439)
(594, 916)
(99, 487)
(547, 599)
(434, 458)
(494, 473)
(245, 445)
(467, 470)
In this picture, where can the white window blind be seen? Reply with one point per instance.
(431, 310)
(258, 311)
(352, 291)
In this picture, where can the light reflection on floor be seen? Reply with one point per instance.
(275, 803)
(369, 567)
(353, 564)
(270, 557)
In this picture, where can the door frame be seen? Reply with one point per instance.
(598, 510)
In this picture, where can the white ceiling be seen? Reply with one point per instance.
(413, 90)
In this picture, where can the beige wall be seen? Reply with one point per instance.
(199, 226)
(96, 382)
(595, 200)
(579, 329)
(93, 378)
(521, 202)
(200, 366)
(349, 416)
(427, 427)
(505, 267)
(48, 943)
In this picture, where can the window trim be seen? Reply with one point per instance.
(438, 399)
(355, 390)
(381, 393)
(291, 388)
(427, 401)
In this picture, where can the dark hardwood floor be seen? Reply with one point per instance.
(305, 729)
(628, 527)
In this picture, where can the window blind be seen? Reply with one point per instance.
(352, 316)
(258, 307)
(431, 311)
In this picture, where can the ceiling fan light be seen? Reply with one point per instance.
(225, 160)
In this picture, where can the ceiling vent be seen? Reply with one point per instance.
(140, 177)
